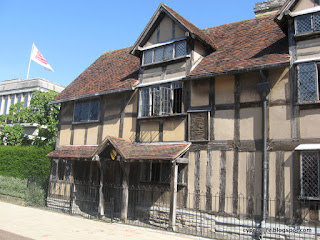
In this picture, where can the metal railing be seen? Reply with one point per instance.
(200, 214)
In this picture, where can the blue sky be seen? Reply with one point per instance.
(73, 34)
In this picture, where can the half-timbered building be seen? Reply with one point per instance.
(231, 110)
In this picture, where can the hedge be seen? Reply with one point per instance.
(24, 161)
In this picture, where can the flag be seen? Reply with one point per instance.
(38, 58)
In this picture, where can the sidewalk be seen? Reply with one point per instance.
(17, 222)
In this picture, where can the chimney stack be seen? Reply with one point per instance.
(268, 7)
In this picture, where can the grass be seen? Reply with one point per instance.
(13, 187)
(32, 193)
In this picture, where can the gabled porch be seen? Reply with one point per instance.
(118, 173)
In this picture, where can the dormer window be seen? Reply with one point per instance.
(165, 52)
(307, 23)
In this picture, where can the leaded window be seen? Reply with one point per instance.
(85, 111)
(310, 176)
(161, 100)
(307, 23)
(154, 172)
(308, 82)
(61, 170)
(165, 52)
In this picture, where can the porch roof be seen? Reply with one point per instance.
(127, 149)
(78, 152)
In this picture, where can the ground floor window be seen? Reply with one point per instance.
(310, 176)
(159, 172)
(61, 170)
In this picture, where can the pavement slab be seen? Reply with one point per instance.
(26, 223)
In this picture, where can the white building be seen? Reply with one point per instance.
(20, 90)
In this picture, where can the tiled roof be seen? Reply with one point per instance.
(79, 152)
(126, 148)
(190, 26)
(147, 151)
(240, 46)
(111, 71)
(245, 45)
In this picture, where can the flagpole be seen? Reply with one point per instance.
(30, 61)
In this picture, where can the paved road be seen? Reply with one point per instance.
(25, 223)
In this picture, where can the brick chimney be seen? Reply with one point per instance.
(268, 7)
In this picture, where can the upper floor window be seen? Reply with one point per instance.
(85, 111)
(308, 82)
(164, 53)
(307, 23)
(310, 177)
(160, 100)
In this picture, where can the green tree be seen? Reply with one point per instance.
(40, 112)
(45, 115)
(12, 135)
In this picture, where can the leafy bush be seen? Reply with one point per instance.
(24, 161)
(14, 187)
(35, 195)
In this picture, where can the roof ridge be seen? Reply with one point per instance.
(241, 21)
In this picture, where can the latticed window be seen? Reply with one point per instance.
(61, 170)
(155, 172)
(164, 53)
(161, 100)
(307, 23)
(308, 82)
(86, 111)
(310, 176)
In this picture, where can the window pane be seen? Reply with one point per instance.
(165, 100)
(147, 56)
(303, 24)
(168, 52)
(165, 172)
(68, 171)
(180, 49)
(61, 169)
(155, 93)
(26, 100)
(19, 98)
(316, 21)
(307, 82)
(177, 100)
(145, 172)
(94, 109)
(77, 111)
(144, 102)
(310, 174)
(155, 172)
(158, 54)
(5, 105)
(84, 113)
(54, 169)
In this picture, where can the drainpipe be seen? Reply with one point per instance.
(264, 88)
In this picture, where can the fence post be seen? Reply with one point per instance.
(101, 195)
(71, 197)
(173, 195)
(125, 191)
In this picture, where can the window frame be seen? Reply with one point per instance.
(316, 83)
(151, 105)
(303, 186)
(61, 170)
(151, 178)
(312, 23)
(90, 101)
(164, 58)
